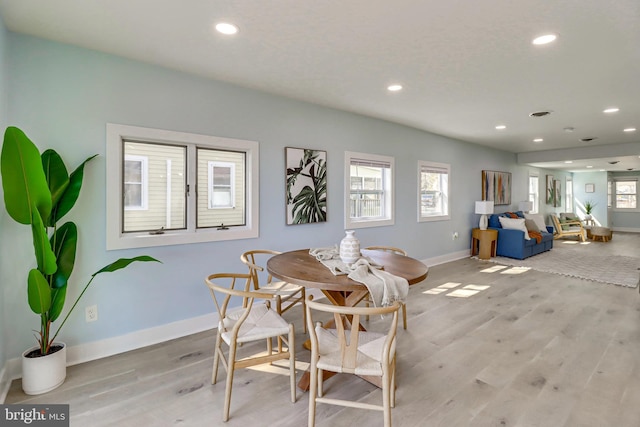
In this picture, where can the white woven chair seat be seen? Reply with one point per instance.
(280, 287)
(261, 323)
(368, 358)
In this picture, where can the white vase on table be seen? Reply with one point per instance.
(349, 248)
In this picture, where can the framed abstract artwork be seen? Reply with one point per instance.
(549, 192)
(496, 186)
(306, 185)
(589, 188)
(557, 193)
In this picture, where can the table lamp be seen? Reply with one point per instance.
(484, 208)
(525, 206)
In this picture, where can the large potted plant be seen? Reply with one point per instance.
(39, 192)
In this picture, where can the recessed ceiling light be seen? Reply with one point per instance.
(226, 28)
(601, 170)
(611, 110)
(538, 140)
(394, 88)
(569, 129)
(501, 127)
(630, 129)
(589, 167)
(568, 161)
(547, 38)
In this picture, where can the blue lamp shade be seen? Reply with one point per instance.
(484, 208)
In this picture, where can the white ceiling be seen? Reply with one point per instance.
(466, 66)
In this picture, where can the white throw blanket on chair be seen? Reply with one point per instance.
(384, 288)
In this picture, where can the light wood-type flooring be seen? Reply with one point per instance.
(485, 347)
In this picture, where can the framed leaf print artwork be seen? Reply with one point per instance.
(306, 185)
(549, 193)
(496, 186)
(557, 193)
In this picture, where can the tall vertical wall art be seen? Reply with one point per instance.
(496, 186)
(306, 187)
(549, 190)
(557, 193)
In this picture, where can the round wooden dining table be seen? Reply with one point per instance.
(301, 268)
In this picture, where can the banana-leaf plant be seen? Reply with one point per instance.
(38, 191)
(310, 203)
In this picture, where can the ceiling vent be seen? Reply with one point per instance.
(540, 114)
(588, 139)
(615, 162)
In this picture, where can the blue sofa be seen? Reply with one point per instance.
(512, 244)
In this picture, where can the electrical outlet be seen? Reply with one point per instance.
(454, 236)
(91, 313)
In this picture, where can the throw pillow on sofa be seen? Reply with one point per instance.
(532, 226)
(539, 220)
(515, 224)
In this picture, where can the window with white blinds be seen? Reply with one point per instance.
(626, 196)
(369, 198)
(433, 191)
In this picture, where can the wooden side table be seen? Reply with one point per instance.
(484, 242)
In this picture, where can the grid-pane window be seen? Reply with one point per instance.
(569, 194)
(221, 187)
(534, 193)
(135, 182)
(434, 187)
(153, 186)
(626, 194)
(369, 190)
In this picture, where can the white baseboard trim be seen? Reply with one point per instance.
(627, 229)
(120, 344)
(442, 259)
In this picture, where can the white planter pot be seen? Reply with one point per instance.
(43, 374)
(587, 217)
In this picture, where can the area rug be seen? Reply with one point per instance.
(616, 262)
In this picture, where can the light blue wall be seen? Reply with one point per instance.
(62, 96)
(3, 215)
(599, 196)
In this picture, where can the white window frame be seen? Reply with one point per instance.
(635, 179)
(144, 182)
(534, 197)
(232, 186)
(388, 189)
(116, 239)
(444, 169)
(568, 194)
